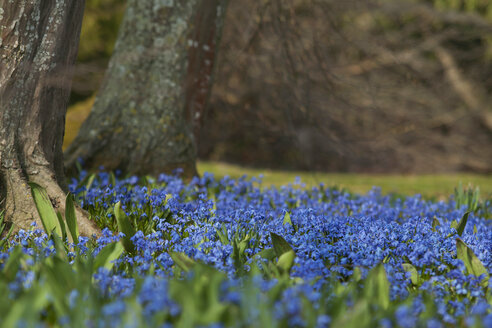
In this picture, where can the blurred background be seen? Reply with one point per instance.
(335, 86)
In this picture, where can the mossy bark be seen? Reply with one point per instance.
(38, 46)
(154, 91)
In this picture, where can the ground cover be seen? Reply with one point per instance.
(233, 252)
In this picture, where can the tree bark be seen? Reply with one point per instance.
(38, 47)
(155, 89)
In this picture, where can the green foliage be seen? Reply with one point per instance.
(415, 278)
(125, 226)
(286, 261)
(470, 198)
(222, 234)
(284, 254)
(472, 263)
(199, 298)
(71, 218)
(467, 197)
(49, 218)
(280, 245)
(195, 286)
(376, 289)
(182, 260)
(56, 276)
(462, 224)
(108, 255)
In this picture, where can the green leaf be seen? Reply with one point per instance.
(413, 271)
(62, 225)
(287, 219)
(62, 274)
(182, 260)
(13, 263)
(238, 256)
(27, 308)
(87, 182)
(376, 288)
(280, 245)
(45, 209)
(168, 197)
(125, 226)
(471, 261)
(357, 316)
(242, 246)
(107, 255)
(78, 166)
(454, 224)
(357, 274)
(71, 218)
(267, 253)
(60, 279)
(462, 224)
(60, 247)
(286, 261)
(90, 181)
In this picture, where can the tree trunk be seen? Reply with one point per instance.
(154, 91)
(38, 46)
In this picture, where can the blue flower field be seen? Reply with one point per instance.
(235, 253)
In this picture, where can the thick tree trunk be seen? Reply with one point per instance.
(38, 46)
(154, 91)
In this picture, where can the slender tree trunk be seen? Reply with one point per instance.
(38, 46)
(155, 89)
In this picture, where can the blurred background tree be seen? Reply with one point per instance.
(359, 86)
(154, 91)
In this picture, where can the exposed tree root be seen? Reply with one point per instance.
(19, 206)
